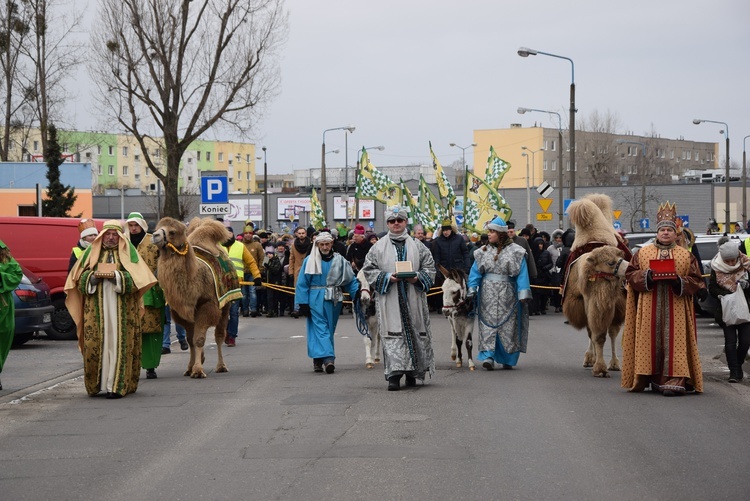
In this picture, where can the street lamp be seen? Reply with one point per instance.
(561, 207)
(526, 52)
(323, 188)
(533, 162)
(744, 182)
(356, 180)
(698, 121)
(463, 151)
(528, 191)
(266, 219)
(643, 172)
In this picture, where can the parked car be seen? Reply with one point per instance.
(44, 246)
(33, 307)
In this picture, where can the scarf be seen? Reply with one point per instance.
(398, 236)
(726, 275)
(313, 266)
(302, 246)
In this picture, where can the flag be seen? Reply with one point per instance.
(374, 185)
(317, 218)
(496, 169)
(444, 186)
(482, 203)
(416, 214)
(431, 205)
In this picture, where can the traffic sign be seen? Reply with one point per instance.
(566, 203)
(685, 221)
(459, 219)
(617, 213)
(214, 187)
(372, 224)
(644, 223)
(545, 189)
(543, 216)
(544, 203)
(215, 209)
(618, 225)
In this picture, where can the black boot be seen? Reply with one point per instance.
(394, 383)
(411, 381)
(733, 375)
(150, 373)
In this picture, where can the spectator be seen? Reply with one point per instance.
(10, 276)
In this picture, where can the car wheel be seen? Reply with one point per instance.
(63, 327)
(21, 338)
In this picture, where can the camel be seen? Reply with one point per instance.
(189, 285)
(593, 292)
(456, 310)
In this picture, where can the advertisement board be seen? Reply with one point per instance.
(242, 210)
(290, 209)
(341, 211)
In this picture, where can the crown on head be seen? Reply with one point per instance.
(666, 215)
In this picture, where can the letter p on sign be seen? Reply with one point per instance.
(214, 190)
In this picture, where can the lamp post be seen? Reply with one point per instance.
(463, 152)
(744, 182)
(323, 188)
(266, 219)
(533, 162)
(698, 121)
(356, 180)
(643, 172)
(528, 191)
(561, 208)
(526, 52)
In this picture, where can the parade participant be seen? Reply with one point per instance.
(152, 323)
(250, 300)
(729, 270)
(104, 291)
(10, 276)
(523, 242)
(401, 303)
(659, 345)
(359, 247)
(300, 249)
(499, 279)
(245, 265)
(88, 232)
(318, 293)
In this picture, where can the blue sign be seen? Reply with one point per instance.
(685, 221)
(459, 219)
(618, 225)
(644, 223)
(372, 224)
(566, 203)
(214, 190)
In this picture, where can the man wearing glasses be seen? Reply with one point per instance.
(401, 300)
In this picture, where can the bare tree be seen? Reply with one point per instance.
(598, 156)
(54, 53)
(635, 203)
(14, 27)
(177, 68)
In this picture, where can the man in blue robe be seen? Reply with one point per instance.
(318, 293)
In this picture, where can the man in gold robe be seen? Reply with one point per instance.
(104, 297)
(659, 342)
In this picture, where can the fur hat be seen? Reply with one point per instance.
(729, 250)
(498, 224)
(87, 227)
(137, 217)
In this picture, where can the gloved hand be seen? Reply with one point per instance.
(649, 280)
(702, 294)
(743, 283)
(304, 310)
(94, 280)
(258, 282)
(471, 297)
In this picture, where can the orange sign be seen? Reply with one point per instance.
(617, 213)
(544, 203)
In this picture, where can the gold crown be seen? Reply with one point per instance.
(86, 224)
(667, 213)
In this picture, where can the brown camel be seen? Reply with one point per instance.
(189, 285)
(593, 294)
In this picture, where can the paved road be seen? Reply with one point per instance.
(272, 429)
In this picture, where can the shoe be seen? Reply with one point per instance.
(394, 383)
(507, 367)
(113, 396)
(166, 351)
(317, 368)
(150, 373)
(732, 379)
(184, 344)
(489, 364)
(558, 310)
(411, 381)
(254, 313)
(231, 342)
(543, 312)
(245, 313)
(294, 314)
(271, 315)
(329, 367)
(1, 386)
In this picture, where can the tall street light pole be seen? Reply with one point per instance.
(744, 182)
(643, 172)
(698, 121)
(463, 152)
(561, 207)
(356, 180)
(526, 52)
(533, 162)
(323, 187)
(266, 219)
(528, 190)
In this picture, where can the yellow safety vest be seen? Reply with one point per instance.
(77, 251)
(747, 246)
(235, 255)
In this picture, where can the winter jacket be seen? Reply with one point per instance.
(451, 252)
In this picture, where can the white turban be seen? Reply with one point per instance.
(314, 266)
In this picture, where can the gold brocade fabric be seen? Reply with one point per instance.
(152, 321)
(127, 367)
(659, 337)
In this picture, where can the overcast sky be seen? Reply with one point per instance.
(406, 72)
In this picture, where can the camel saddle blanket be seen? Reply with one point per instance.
(225, 277)
(580, 251)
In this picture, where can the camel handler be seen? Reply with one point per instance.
(105, 290)
(318, 293)
(243, 262)
(152, 323)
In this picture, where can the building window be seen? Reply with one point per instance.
(157, 152)
(111, 150)
(190, 179)
(239, 175)
(65, 148)
(198, 155)
(247, 158)
(554, 145)
(567, 163)
(99, 170)
(545, 165)
(689, 155)
(208, 156)
(124, 151)
(137, 177)
(111, 170)
(221, 157)
(36, 145)
(124, 170)
(148, 172)
(99, 149)
(554, 164)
